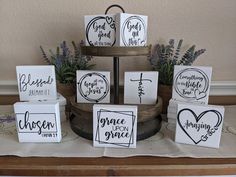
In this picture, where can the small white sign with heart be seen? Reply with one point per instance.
(141, 87)
(114, 126)
(93, 86)
(36, 82)
(191, 83)
(199, 124)
(100, 30)
(38, 122)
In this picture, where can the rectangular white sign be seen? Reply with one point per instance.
(36, 82)
(38, 122)
(114, 126)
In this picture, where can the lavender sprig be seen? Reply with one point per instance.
(164, 58)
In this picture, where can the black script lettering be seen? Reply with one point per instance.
(93, 87)
(185, 92)
(93, 91)
(135, 34)
(26, 81)
(140, 86)
(192, 77)
(97, 27)
(91, 84)
(119, 135)
(106, 121)
(104, 35)
(193, 84)
(132, 41)
(197, 126)
(31, 125)
(210, 132)
(131, 26)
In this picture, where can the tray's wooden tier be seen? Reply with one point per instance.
(84, 127)
(145, 112)
(149, 119)
(116, 51)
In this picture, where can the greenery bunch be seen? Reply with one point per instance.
(165, 57)
(67, 62)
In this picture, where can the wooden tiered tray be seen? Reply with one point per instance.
(149, 119)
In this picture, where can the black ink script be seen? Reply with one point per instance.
(26, 123)
(107, 121)
(140, 86)
(116, 128)
(25, 81)
(196, 125)
(116, 134)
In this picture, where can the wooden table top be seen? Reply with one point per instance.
(104, 166)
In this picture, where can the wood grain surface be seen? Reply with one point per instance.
(219, 100)
(132, 166)
(116, 51)
(104, 166)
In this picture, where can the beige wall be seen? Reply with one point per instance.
(27, 24)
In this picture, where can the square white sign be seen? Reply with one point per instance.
(93, 86)
(191, 83)
(131, 29)
(114, 126)
(36, 82)
(38, 122)
(199, 125)
(141, 87)
(100, 30)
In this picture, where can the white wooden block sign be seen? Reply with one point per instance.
(199, 125)
(62, 104)
(191, 83)
(141, 87)
(114, 126)
(93, 86)
(100, 30)
(38, 122)
(131, 29)
(36, 82)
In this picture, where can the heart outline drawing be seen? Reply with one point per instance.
(113, 26)
(199, 95)
(109, 19)
(198, 118)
